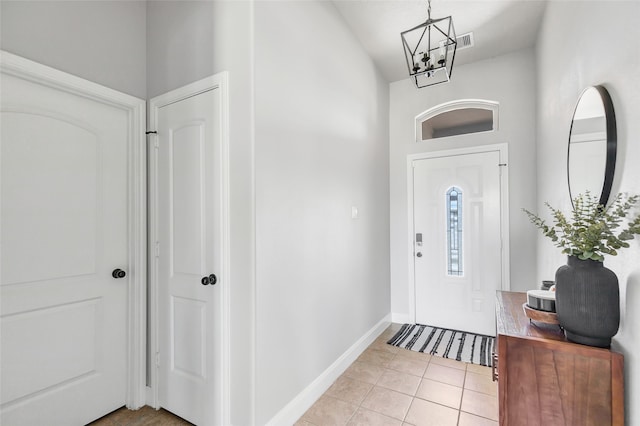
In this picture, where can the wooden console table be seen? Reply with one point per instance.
(543, 379)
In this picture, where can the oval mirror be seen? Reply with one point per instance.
(591, 160)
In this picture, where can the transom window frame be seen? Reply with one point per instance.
(492, 106)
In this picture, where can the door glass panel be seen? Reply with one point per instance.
(454, 231)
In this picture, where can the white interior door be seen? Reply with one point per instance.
(457, 240)
(189, 258)
(64, 230)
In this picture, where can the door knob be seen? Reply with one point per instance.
(210, 280)
(419, 254)
(118, 273)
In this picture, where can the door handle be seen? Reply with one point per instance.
(118, 273)
(209, 280)
(419, 254)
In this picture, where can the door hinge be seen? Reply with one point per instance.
(157, 359)
(156, 143)
(157, 249)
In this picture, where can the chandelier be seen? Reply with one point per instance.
(430, 49)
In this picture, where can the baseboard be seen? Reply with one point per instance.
(400, 318)
(309, 395)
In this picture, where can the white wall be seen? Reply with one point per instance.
(582, 44)
(321, 110)
(101, 41)
(233, 52)
(179, 44)
(507, 79)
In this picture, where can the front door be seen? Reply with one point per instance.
(64, 232)
(457, 240)
(188, 203)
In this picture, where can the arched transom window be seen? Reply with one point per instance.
(457, 118)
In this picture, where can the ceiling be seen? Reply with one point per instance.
(498, 26)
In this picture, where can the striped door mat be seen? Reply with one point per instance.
(453, 344)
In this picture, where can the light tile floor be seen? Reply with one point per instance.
(389, 386)
(146, 416)
(385, 386)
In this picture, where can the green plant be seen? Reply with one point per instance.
(593, 230)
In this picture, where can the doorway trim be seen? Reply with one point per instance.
(217, 81)
(136, 202)
(502, 149)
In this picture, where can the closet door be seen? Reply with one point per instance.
(188, 201)
(65, 260)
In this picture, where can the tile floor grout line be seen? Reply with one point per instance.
(393, 390)
(416, 392)
(478, 415)
(407, 413)
(352, 414)
(366, 395)
(464, 382)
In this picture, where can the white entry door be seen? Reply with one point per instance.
(457, 240)
(189, 237)
(64, 160)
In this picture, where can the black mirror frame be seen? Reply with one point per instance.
(612, 142)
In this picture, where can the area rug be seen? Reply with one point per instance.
(453, 344)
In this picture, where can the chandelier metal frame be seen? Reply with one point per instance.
(430, 50)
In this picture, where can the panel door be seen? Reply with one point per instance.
(457, 241)
(64, 230)
(189, 241)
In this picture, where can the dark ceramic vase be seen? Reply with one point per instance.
(587, 302)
